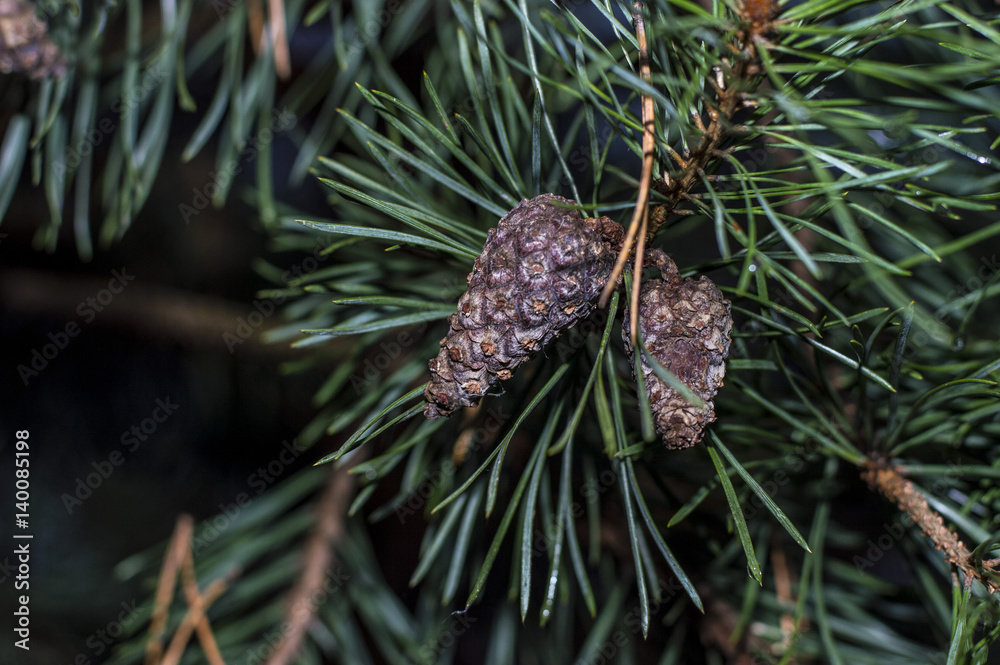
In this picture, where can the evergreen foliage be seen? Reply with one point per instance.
(830, 168)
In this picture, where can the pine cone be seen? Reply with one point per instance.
(685, 325)
(24, 42)
(540, 272)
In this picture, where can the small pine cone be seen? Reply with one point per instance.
(24, 42)
(541, 271)
(685, 325)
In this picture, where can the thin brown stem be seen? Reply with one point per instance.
(255, 25)
(640, 250)
(279, 39)
(203, 628)
(783, 590)
(729, 82)
(180, 544)
(318, 558)
(648, 150)
(194, 616)
(887, 480)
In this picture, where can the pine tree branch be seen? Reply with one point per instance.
(440, 170)
(194, 597)
(193, 618)
(890, 483)
(180, 543)
(640, 216)
(180, 559)
(150, 310)
(730, 85)
(318, 556)
(255, 25)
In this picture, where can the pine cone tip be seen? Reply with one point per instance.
(540, 272)
(685, 325)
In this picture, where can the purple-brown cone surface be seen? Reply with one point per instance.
(540, 272)
(25, 45)
(685, 325)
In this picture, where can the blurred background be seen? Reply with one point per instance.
(99, 491)
(159, 339)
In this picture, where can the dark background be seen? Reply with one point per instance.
(161, 338)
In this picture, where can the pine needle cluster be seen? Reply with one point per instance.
(827, 163)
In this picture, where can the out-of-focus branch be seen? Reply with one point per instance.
(180, 559)
(194, 618)
(195, 597)
(180, 544)
(152, 311)
(318, 557)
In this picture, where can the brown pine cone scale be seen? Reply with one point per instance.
(25, 45)
(540, 272)
(685, 325)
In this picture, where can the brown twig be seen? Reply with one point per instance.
(318, 557)
(891, 484)
(639, 215)
(151, 310)
(758, 19)
(180, 544)
(195, 616)
(783, 590)
(203, 627)
(640, 249)
(729, 79)
(255, 25)
(180, 559)
(277, 33)
(279, 39)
